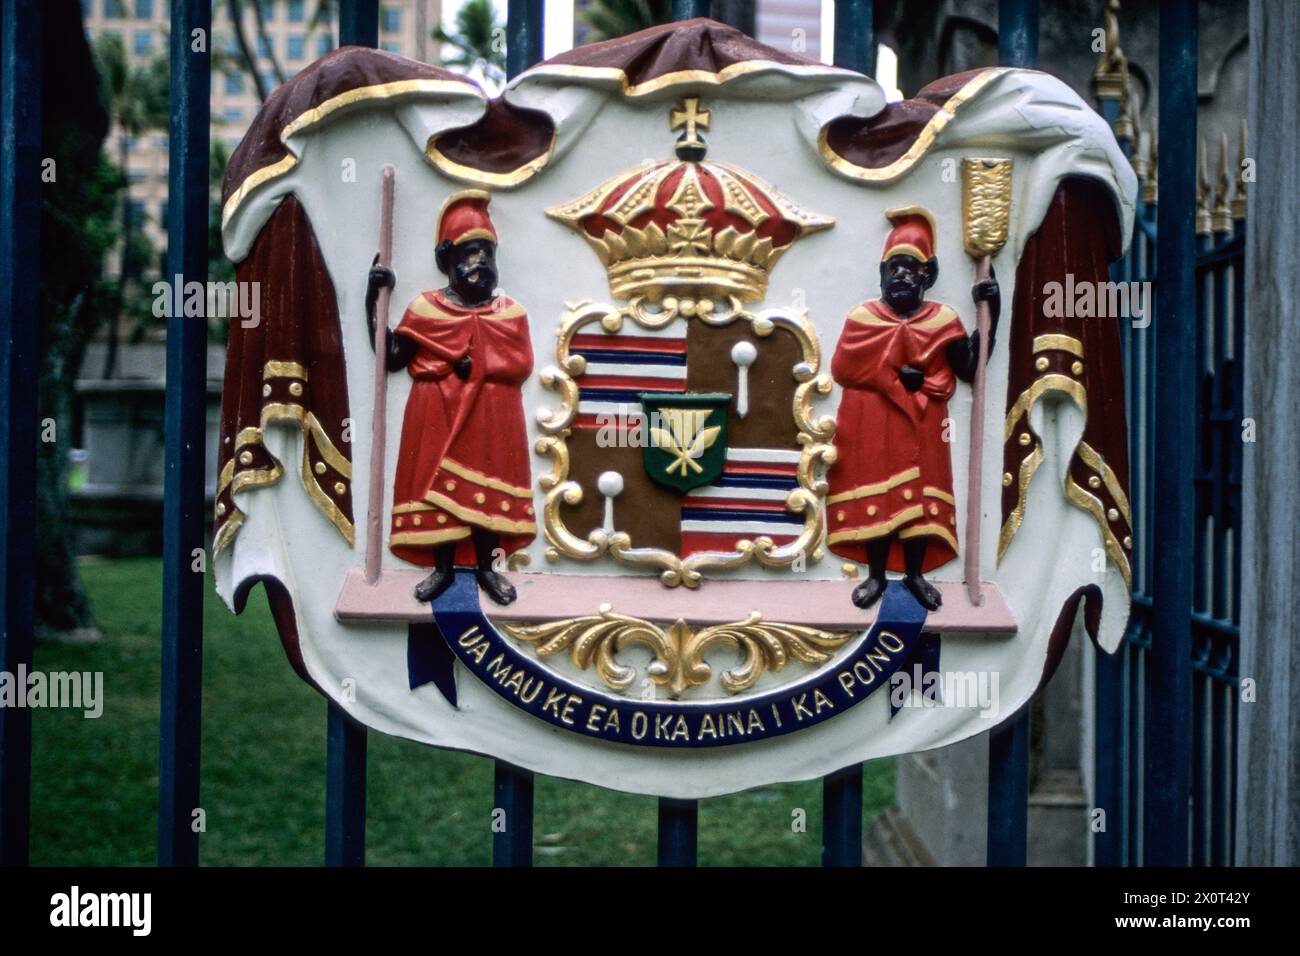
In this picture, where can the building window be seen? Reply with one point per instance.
(144, 9)
(142, 42)
(324, 43)
(296, 46)
(296, 12)
(268, 9)
(269, 82)
(264, 48)
(393, 48)
(233, 114)
(390, 19)
(234, 83)
(87, 7)
(113, 10)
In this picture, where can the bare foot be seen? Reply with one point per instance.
(497, 587)
(433, 585)
(868, 592)
(924, 591)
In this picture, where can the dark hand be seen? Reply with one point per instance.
(381, 277)
(986, 291)
(462, 367)
(989, 291)
(912, 378)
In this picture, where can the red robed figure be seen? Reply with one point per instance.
(463, 460)
(893, 470)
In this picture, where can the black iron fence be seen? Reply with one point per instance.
(1134, 725)
(1146, 697)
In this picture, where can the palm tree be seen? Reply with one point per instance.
(607, 19)
(479, 40)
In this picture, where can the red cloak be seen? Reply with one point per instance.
(463, 461)
(893, 473)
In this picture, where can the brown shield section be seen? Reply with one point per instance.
(770, 420)
(647, 511)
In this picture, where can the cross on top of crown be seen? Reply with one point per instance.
(688, 116)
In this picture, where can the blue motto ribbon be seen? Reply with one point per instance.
(460, 631)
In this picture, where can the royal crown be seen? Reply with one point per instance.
(688, 228)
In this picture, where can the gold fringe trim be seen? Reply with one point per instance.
(1057, 342)
(479, 177)
(683, 77)
(311, 117)
(399, 538)
(313, 434)
(879, 488)
(422, 307)
(275, 369)
(920, 146)
(1086, 453)
(485, 481)
(929, 530)
(479, 518)
(932, 492)
(878, 529)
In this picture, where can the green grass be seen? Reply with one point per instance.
(95, 782)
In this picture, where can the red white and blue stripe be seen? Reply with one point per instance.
(746, 502)
(619, 368)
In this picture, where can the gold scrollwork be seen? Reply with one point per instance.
(594, 641)
(814, 435)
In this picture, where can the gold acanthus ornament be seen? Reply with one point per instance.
(678, 650)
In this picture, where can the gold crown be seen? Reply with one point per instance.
(687, 227)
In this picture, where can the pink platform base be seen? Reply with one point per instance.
(543, 597)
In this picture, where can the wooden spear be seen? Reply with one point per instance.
(379, 418)
(986, 213)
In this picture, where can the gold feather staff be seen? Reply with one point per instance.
(986, 213)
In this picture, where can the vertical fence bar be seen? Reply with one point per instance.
(1169, 692)
(345, 790)
(512, 788)
(20, 267)
(1108, 677)
(842, 817)
(1200, 810)
(1136, 687)
(359, 23)
(512, 795)
(1008, 832)
(1018, 33)
(1108, 758)
(689, 9)
(855, 38)
(346, 748)
(1008, 808)
(842, 791)
(679, 825)
(185, 427)
(525, 35)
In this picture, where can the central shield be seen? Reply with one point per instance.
(686, 445)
